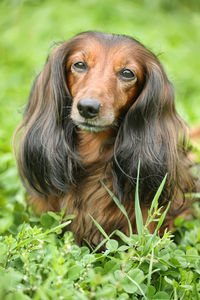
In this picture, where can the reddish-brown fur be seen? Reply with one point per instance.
(87, 196)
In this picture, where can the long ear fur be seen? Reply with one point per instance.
(47, 159)
(153, 133)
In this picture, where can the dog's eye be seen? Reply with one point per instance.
(127, 75)
(80, 66)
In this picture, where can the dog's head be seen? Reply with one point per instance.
(105, 76)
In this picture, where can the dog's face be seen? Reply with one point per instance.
(104, 80)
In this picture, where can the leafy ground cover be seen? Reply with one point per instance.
(37, 261)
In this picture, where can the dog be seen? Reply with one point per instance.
(101, 104)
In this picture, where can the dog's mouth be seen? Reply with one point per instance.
(91, 127)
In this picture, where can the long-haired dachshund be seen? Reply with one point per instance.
(102, 103)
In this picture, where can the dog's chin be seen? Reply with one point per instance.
(91, 127)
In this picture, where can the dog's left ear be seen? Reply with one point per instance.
(153, 133)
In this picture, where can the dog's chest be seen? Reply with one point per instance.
(90, 198)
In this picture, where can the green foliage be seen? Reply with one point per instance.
(37, 261)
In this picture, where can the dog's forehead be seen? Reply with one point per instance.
(122, 51)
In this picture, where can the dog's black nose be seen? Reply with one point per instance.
(88, 108)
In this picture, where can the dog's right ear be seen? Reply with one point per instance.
(50, 88)
(46, 155)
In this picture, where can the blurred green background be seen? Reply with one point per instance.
(28, 29)
(171, 29)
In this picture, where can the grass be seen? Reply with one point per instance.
(37, 261)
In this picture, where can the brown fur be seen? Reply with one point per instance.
(52, 147)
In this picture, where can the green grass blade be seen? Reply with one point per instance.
(154, 204)
(192, 195)
(127, 240)
(99, 246)
(120, 206)
(138, 212)
(161, 220)
(150, 268)
(41, 235)
(137, 285)
(157, 195)
(99, 227)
